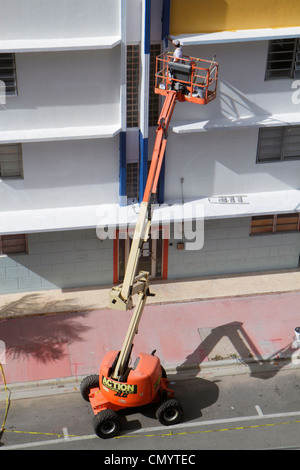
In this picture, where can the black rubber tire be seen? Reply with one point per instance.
(169, 412)
(89, 382)
(106, 424)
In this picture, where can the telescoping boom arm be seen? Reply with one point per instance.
(193, 80)
(121, 297)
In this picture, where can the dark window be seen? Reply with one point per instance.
(8, 73)
(275, 223)
(278, 144)
(283, 59)
(12, 244)
(11, 161)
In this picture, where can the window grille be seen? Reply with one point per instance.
(278, 144)
(13, 244)
(132, 89)
(275, 223)
(155, 50)
(132, 180)
(8, 73)
(133, 84)
(11, 161)
(283, 59)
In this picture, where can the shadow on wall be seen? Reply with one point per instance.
(235, 105)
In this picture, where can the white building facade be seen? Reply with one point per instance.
(77, 130)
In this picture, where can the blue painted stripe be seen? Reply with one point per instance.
(143, 165)
(122, 166)
(165, 21)
(147, 26)
(165, 31)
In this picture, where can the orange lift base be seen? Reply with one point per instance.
(143, 385)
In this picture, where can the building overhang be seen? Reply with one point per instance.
(107, 218)
(268, 120)
(58, 44)
(244, 35)
(58, 133)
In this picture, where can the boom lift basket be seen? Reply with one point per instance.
(194, 79)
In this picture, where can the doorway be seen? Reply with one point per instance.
(153, 258)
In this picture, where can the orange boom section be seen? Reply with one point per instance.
(160, 145)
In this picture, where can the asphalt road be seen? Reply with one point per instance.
(240, 412)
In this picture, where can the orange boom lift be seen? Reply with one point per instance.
(118, 385)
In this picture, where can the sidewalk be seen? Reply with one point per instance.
(198, 327)
(206, 288)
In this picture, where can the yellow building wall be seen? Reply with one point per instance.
(207, 16)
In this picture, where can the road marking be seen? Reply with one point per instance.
(219, 421)
(144, 432)
(34, 433)
(258, 409)
(66, 434)
(50, 442)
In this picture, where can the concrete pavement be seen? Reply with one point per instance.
(198, 327)
(205, 288)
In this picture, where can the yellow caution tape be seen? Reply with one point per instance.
(7, 397)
